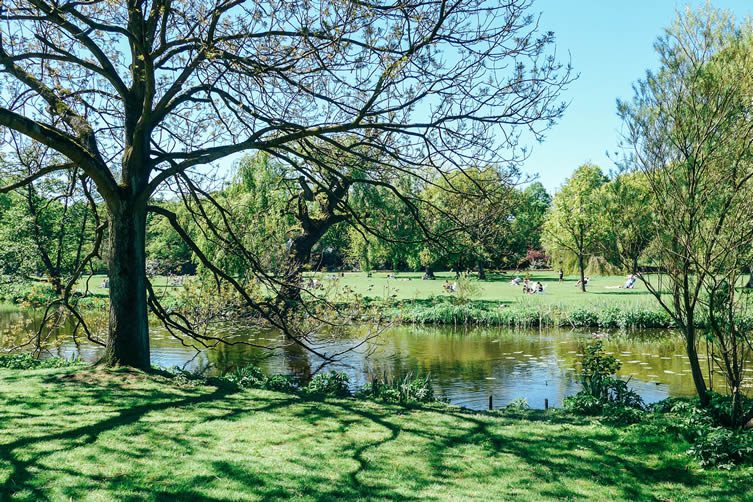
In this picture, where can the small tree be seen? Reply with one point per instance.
(573, 223)
(690, 129)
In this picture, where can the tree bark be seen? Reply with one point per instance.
(428, 274)
(582, 270)
(695, 366)
(299, 254)
(481, 271)
(128, 335)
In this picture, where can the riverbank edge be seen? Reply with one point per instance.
(294, 447)
(443, 311)
(495, 314)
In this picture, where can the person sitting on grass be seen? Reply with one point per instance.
(526, 286)
(584, 282)
(630, 282)
(539, 288)
(516, 281)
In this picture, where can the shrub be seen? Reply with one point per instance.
(722, 407)
(622, 415)
(518, 404)
(712, 446)
(334, 383)
(467, 289)
(723, 448)
(583, 403)
(597, 367)
(604, 393)
(281, 383)
(246, 376)
(409, 389)
(581, 318)
(27, 361)
(251, 376)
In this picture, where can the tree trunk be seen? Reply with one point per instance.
(428, 273)
(299, 253)
(481, 271)
(128, 336)
(750, 280)
(695, 365)
(582, 269)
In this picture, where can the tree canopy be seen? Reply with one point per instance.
(141, 96)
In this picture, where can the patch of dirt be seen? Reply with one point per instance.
(121, 377)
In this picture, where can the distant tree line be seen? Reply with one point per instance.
(428, 225)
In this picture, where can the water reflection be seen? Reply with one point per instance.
(466, 366)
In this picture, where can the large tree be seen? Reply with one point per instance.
(141, 94)
(475, 232)
(529, 213)
(626, 211)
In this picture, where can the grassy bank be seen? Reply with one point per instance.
(497, 302)
(444, 312)
(89, 434)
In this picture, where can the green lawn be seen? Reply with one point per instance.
(161, 283)
(409, 286)
(89, 434)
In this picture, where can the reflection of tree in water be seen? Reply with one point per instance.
(297, 361)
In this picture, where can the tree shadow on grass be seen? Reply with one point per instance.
(214, 443)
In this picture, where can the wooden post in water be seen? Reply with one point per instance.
(491, 405)
(546, 403)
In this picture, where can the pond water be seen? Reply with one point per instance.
(466, 366)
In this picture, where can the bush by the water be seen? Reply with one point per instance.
(334, 383)
(408, 389)
(723, 448)
(26, 361)
(442, 311)
(603, 393)
(251, 376)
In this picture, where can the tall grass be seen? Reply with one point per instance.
(532, 316)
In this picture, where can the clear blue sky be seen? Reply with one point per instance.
(610, 44)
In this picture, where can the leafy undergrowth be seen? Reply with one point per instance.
(26, 361)
(93, 434)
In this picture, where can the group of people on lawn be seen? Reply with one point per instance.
(529, 287)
